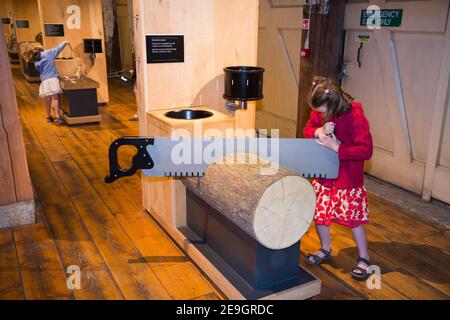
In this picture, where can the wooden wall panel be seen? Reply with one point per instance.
(444, 159)
(27, 10)
(413, 53)
(54, 11)
(403, 83)
(437, 173)
(375, 104)
(217, 33)
(216, 36)
(418, 16)
(279, 43)
(125, 35)
(6, 7)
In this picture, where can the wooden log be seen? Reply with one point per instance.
(276, 210)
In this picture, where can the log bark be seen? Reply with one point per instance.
(276, 209)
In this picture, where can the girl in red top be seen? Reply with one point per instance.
(340, 125)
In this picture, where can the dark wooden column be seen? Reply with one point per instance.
(17, 187)
(112, 40)
(326, 41)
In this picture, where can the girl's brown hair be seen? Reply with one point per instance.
(325, 91)
(33, 55)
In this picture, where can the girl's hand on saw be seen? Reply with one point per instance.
(329, 142)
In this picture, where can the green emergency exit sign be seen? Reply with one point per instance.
(382, 18)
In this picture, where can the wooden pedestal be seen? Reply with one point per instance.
(29, 71)
(210, 44)
(166, 197)
(79, 100)
(239, 276)
(257, 272)
(227, 279)
(13, 56)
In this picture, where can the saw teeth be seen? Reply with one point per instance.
(184, 174)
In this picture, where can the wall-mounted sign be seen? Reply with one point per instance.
(24, 24)
(382, 17)
(5, 20)
(54, 29)
(165, 48)
(362, 38)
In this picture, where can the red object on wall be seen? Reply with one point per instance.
(305, 53)
(305, 24)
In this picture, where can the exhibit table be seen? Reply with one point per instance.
(29, 71)
(13, 56)
(79, 100)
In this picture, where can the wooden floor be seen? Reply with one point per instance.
(122, 252)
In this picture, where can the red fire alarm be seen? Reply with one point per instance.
(305, 24)
(305, 53)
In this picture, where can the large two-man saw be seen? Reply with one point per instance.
(187, 157)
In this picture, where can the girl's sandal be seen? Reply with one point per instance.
(49, 119)
(59, 120)
(316, 260)
(362, 275)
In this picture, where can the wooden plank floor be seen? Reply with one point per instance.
(123, 253)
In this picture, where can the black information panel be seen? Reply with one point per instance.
(5, 20)
(165, 48)
(25, 24)
(54, 30)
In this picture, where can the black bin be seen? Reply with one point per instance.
(92, 45)
(243, 83)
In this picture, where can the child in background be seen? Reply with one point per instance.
(50, 87)
(339, 124)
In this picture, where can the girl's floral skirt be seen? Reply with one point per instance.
(347, 207)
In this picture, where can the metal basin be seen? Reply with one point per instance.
(188, 114)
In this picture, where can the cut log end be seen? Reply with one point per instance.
(275, 209)
(284, 212)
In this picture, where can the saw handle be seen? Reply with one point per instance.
(141, 160)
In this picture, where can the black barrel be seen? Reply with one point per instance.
(92, 45)
(243, 83)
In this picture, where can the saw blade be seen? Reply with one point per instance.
(186, 157)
